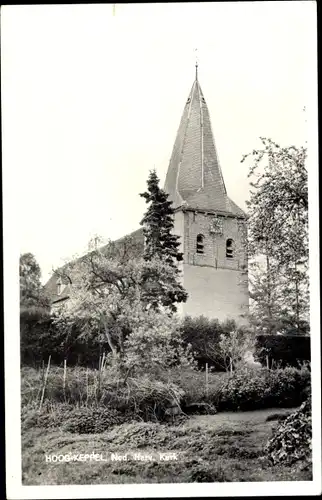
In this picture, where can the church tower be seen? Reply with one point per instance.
(212, 228)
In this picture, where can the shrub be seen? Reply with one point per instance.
(41, 337)
(283, 350)
(289, 386)
(250, 389)
(245, 389)
(155, 346)
(151, 399)
(71, 418)
(196, 393)
(277, 416)
(36, 335)
(49, 416)
(203, 335)
(93, 420)
(291, 440)
(142, 397)
(206, 473)
(177, 391)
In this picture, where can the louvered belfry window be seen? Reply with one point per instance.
(230, 248)
(200, 243)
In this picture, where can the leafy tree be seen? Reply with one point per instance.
(31, 290)
(278, 237)
(266, 294)
(111, 297)
(156, 342)
(35, 322)
(234, 348)
(160, 242)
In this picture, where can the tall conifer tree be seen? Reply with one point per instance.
(160, 241)
(158, 223)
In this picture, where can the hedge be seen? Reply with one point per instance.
(282, 350)
(203, 334)
(40, 338)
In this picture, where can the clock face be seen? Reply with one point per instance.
(216, 226)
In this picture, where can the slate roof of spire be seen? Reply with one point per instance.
(194, 178)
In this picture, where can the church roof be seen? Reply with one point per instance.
(194, 178)
(68, 272)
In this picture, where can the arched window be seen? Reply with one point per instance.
(230, 248)
(200, 243)
(59, 286)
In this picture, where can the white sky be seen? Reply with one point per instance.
(91, 102)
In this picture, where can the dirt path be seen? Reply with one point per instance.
(232, 419)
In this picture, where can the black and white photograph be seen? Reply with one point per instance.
(161, 249)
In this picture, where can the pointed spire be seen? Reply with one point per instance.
(194, 176)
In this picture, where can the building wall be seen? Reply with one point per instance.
(215, 293)
(217, 285)
(214, 243)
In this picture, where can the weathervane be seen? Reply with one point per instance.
(196, 51)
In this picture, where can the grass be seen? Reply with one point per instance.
(227, 447)
(74, 410)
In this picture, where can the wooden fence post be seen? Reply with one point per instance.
(45, 382)
(207, 378)
(64, 381)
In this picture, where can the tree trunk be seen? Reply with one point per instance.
(269, 290)
(120, 335)
(297, 305)
(297, 302)
(109, 340)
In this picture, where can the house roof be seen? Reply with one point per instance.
(194, 178)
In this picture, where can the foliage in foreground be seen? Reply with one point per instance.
(174, 392)
(142, 397)
(247, 388)
(209, 450)
(292, 440)
(251, 389)
(71, 418)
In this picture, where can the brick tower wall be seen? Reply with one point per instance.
(217, 285)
